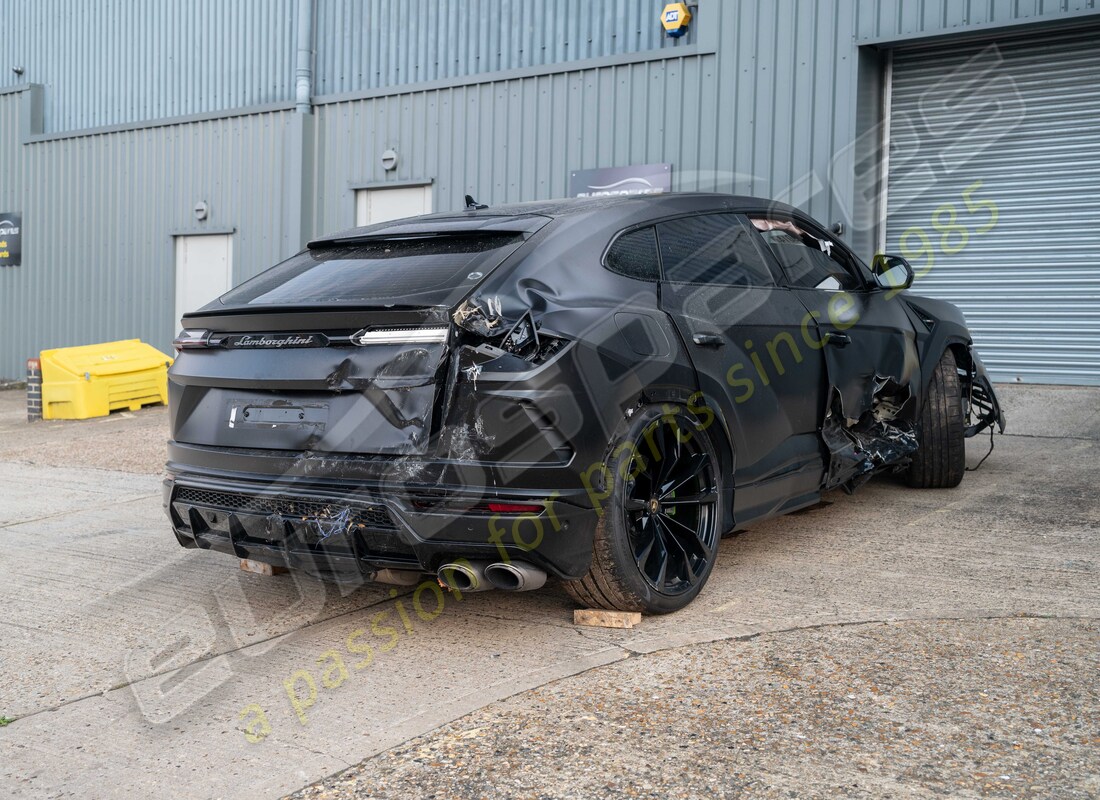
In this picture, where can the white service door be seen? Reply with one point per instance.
(382, 205)
(204, 270)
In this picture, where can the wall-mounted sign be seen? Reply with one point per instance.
(603, 181)
(11, 239)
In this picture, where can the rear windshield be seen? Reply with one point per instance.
(425, 271)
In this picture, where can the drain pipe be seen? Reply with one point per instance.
(303, 76)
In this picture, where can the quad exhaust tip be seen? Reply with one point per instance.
(464, 576)
(478, 576)
(515, 576)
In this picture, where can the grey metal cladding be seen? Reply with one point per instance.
(717, 117)
(99, 213)
(108, 62)
(373, 44)
(886, 20)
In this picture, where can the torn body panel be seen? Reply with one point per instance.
(873, 375)
(868, 342)
(982, 407)
(857, 452)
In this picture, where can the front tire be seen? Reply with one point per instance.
(940, 460)
(657, 538)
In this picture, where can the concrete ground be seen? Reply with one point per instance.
(122, 442)
(995, 707)
(895, 642)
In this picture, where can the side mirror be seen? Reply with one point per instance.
(892, 272)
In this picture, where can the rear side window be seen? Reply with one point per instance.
(426, 271)
(712, 249)
(634, 254)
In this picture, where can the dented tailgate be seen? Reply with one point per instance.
(342, 348)
(338, 398)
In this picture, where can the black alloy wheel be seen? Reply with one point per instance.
(670, 508)
(657, 537)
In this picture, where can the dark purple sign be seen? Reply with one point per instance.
(606, 181)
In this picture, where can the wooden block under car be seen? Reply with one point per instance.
(598, 618)
(260, 568)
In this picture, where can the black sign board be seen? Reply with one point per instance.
(605, 181)
(11, 239)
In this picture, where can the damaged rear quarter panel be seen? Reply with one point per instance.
(621, 348)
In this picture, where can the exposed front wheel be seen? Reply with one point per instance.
(940, 460)
(658, 533)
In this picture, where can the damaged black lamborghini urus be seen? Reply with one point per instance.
(590, 389)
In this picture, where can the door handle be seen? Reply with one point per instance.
(708, 340)
(838, 339)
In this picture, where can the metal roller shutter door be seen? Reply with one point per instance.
(1021, 117)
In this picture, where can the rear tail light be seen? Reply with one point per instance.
(400, 336)
(192, 340)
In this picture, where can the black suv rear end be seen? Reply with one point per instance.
(322, 419)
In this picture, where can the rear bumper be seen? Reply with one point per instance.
(349, 527)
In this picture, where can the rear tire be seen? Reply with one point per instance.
(657, 538)
(940, 460)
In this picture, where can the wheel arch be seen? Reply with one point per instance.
(961, 350)
(957, 342)
(720, 439)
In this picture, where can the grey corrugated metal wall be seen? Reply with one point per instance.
(108, 62)
(11, 153)
(374, 44)
(1026, 142)
(723, 119)
(511, 140)
(98, 258)
(759, 100)
(764, 115)
(886, 19)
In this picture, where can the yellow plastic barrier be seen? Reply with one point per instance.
(96, 379)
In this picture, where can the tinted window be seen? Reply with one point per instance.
(810, 262)
(635, 254)
(436, 270)
(711, 248)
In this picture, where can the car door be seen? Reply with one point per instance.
(749, 342)
(867, 338)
